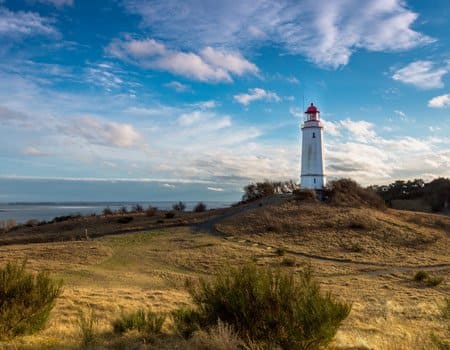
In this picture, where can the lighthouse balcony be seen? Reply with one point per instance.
(312, 124)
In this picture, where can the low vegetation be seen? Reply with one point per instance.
(435, 194)
(267, 188)
(180, 206)
(304, 194)
(146, 322)
(25, 300)
(346, 192)
(151, 211)
(6, 225)
(88, 326)
(424, 278)
(269, 306)
(200, 207)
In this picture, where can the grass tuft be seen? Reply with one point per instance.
(87, 324)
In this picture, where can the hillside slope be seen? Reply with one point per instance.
(364, 256)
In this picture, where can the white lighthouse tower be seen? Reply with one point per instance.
(312, 174)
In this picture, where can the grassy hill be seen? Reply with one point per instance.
(365, 256)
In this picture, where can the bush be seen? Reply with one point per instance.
(151, 211)
(303, 195)
(146, 322)
(424, 278)
(180, 206)
(434, 281)
(32, 223)
(124, 219)
(200, 207)
(421, 276)
(137, 208)
(169, 215)
(270, 306)
(25, 300)
(280, 251)
(123, 210)
(187, 321)
(87, 323)
(346, 192)
(107, 211)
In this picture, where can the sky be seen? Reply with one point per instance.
(154, 100)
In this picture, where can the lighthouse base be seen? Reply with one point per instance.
(313, 182)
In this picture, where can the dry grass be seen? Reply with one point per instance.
(384, 237)
(122, 273)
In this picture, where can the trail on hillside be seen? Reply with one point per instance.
(373, 268)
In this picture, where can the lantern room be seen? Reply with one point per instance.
(312, 113)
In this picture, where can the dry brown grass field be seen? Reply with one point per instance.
(364, 256)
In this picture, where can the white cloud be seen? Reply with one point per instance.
(157, 111)
(57, 3)
(327, 33)
(169, 186)
(401, 114)
(100, 132)
(330, 127)
(33, 151)
(215, 189)
(210, 65)
(230, 61)
(21, 24)
(256, 94)
(442, 101)
(177, 86)
(422, 74)
(296, 112)
(361, 130)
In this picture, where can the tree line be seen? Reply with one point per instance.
(435, 193)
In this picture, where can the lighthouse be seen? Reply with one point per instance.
(312, 173)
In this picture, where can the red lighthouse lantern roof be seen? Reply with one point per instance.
(312, 109)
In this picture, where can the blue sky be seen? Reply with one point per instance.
(197, 98)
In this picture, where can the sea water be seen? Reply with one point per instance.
(22, 212)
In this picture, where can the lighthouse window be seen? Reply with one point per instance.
(314, 135)
(314, 180)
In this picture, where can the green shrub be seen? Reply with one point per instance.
(25, 300)
(87, 324)
(421, 276)
(271, 306)
(146, 322)
(434, 281)
(187, 321)
(429, 281)
(200, 207)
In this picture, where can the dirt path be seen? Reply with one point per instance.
(372, 268)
